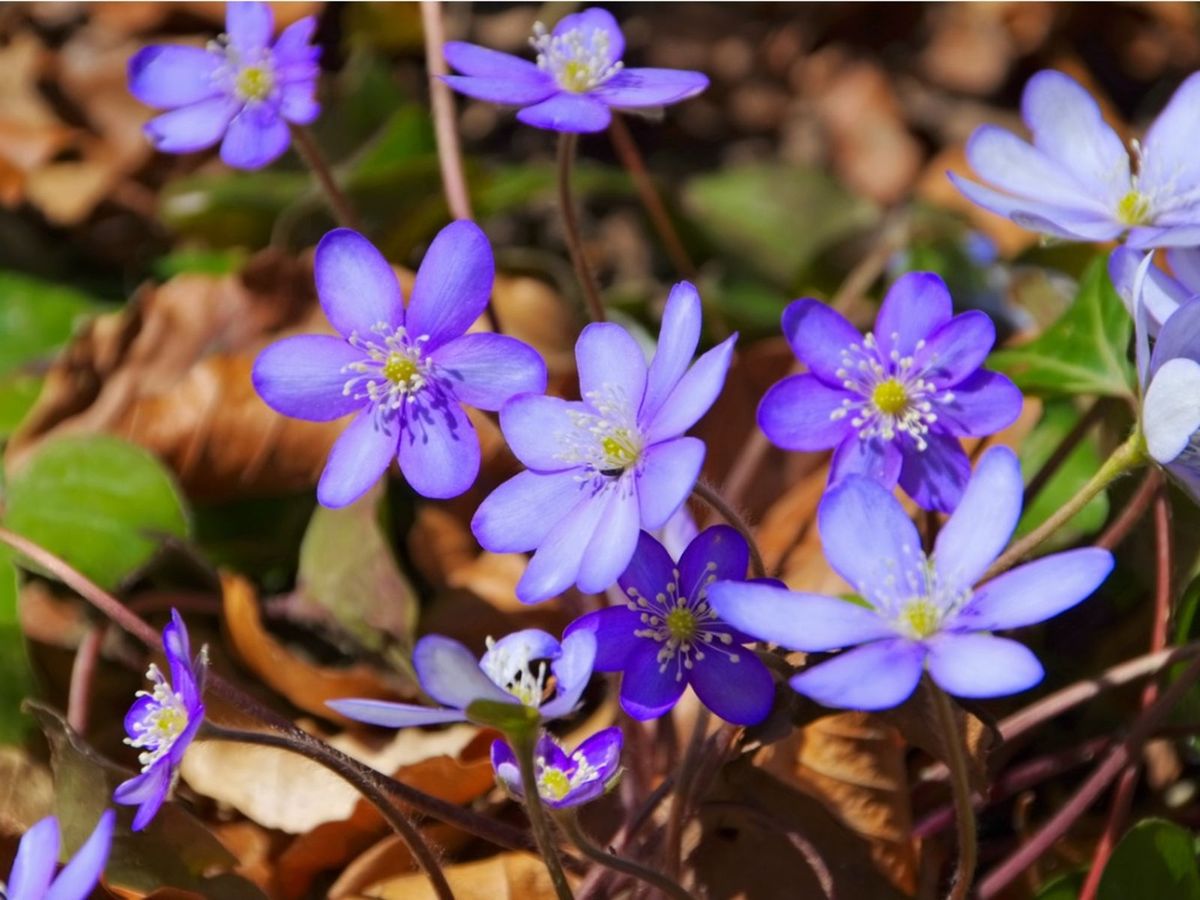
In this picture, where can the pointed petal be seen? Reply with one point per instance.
(249, 26)
(439, 449)
(646, 692)
(169, 76)
(668, 474)
(304, 376)
(872, 458)
(1161, 294)
(451, 674)
(1179, 336)
(540, 430)
(506, 91)
(634, 88)
(611, 365)
(147, 792)
(256, 137)
(598, 29)
(694, 395)
(359, 457)
(984, 521)
(518, 515)
(1169, 160)
(394, 715)
(798, 413)
(1171, 410)
(737, 687)
(488, 370)
(979, 665)
(81, 874)
(483, 62)
(572, 671)
(809, 622)
(915, 306)
(555, 566)
(612, 546)
(1036, 591)
(868, 538)
(874, 676)
(1059, 221)
(357, 287)
(613, 628)
(819, 336)
(936, 476)
(572, 113)
(196, 126)
(958, 348)
(718, 552)
(677, 341)
(37, 857)
(982, 404)
(453, 283)
(650, 570)
(295, 41)
(1013, 165)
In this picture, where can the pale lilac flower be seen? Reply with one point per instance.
(921, 614)
(602, 468)
(241, 90)
(564, 779)
(32, 876)
(1162, 293)
(1075, 181)
(578, 78)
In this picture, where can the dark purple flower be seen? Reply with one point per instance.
(1162, 293)
(578, 79)
(32, 876)
(240, 90)
(1075, 181)
(513, 670)
(604, 467)
(406, 372)
(162, 723)
(563, 779)
(918, 613)
(668, 636)
(892, 404)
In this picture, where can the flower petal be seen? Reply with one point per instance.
(170, 76)
(798, 414)
(190, 128)
(677, 340)
(668, 474)
(809, 622)
(737, 687)
(298, 103)
(256, 137)
(612, 546)
(694, 395)
(540, 430)
(1015, 166)
(915, 306)
(650, 570)
(499, 89)
(1171, 410)
(614, 629)
(488, 370)
(599, 31)
(982, 404)
(1169, 159)
(357, 287)
(453, 283)
(867, 537)
(874, 676)
(611, 366)
(936, 476)
(439, 449)
(979, 665)
(452, 675)
(82, 873)
(646, 692)
(37, 857)
(819, 336)
(872, 458)
(304, 376)
(1185, 263)
(483, 62)
(1179, 337)
(958, 348)
(984, 521)
(359, 457)
(1059, 221)
(1161, 294)
(147, 792)
(394, 715)
(556, 563)
(634, 88)
(719, 552)
(602, 753)
(295, 42)
(249, 26)
(1036, 591)
(572, 671)
(506, 767)
(520, 513)
(572, 113)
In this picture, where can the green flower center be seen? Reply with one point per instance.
(890, 397)
(1134, 208)
(255, 82)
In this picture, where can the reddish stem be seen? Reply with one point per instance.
(83, 673)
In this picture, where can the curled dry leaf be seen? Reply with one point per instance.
(389, 859)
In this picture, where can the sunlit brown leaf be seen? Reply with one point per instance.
(26, 791)
(509, 876)
(389, 859)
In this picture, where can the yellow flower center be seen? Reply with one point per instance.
(576, 77)
(620, 449)
(681, 623)
(1134, 208)
(553, 783)
(921, 617)
(400, 368)
(889, 397)
(255, 83)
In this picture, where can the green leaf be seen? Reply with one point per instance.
(36, 317)
(1156, 858)
(18, 392)
(200, 261)
(230, 209)
(100, 503)
(1064, 887)
(16, 680)
(1084, 352)
(776, 218)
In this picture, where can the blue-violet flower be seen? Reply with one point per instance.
(406, 372)
(32, 876)
(578, 79)
(241, 90)
(894, 403)
(668, 636)
(921, 613)
(564, 780)
(1161, 293)
(602, 468)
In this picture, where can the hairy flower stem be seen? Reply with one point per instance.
(524, 746)
(362, 782)
(964, 812)
(1125, 458)
(311, 154)
(709, 495)
(570, 824)
(566, 202)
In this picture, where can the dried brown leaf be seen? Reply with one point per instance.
(509, 876)
(26, 791)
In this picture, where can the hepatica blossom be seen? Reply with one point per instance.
(32, 876)
(1075, 179)
(1161, 293)
(602, 468)
(564, 779)
(162, 723)
(894, 403)
(241, 90)
(921, 613)
(515, 669)
(667, 635)
(578, 78)
(405, 372)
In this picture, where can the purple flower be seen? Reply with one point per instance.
(1075, 181)
(406, 372)
(893, 404)
(668, 636)
(1161, 294)
(32, 876)
(604, 467)
(563, 779)
(513, 670)
(578, 79)
(162, 723)
(918, 613)
(240, 90)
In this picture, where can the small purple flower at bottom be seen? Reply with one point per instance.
(408, 372)
(513, 670)
(564, 780)
(893, 404)
(578, 79)
(921, 613)
(32, 876)
(668, 636)
(162, 723)
(240, 90)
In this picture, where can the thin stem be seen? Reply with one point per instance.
(1116, 532)
(1128, 456)
(523, 746)
(1070, 441)
(311, 154)
(570, 824)
(684, 779)
(441, 102)
(83, 673)
(566, 202)
(364, 783)
(964, 812)
(709, 495)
